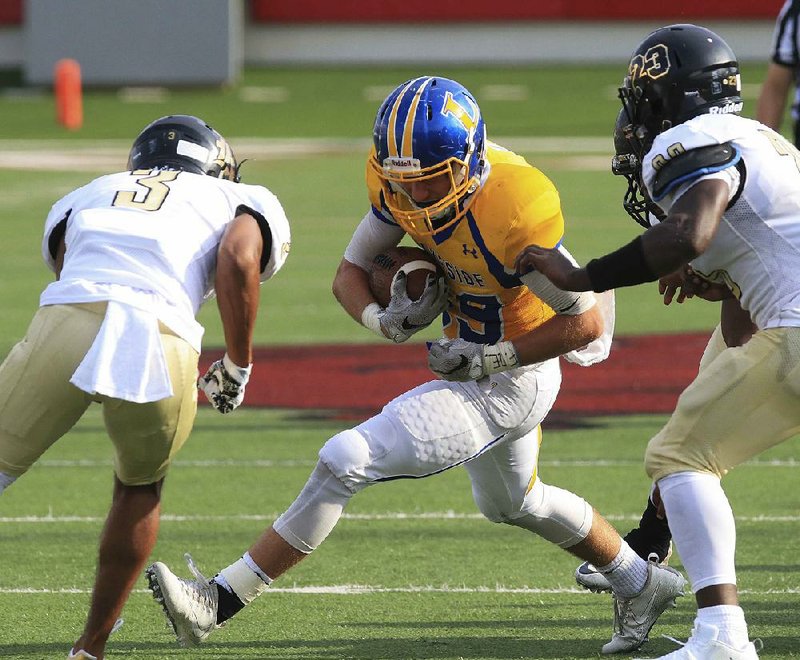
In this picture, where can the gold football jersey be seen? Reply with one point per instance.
(516, 206)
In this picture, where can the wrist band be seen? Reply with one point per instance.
(500, 357)
(624, 267)
(235, 370)
(371, 318)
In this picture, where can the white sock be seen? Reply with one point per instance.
(627, 572)
(729, 621)
(244, 578)
(702, 525)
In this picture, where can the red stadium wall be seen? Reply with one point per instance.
(425, 11)
(10, 12)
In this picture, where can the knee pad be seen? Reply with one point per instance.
(315, 512)
(555, 514)
(346, 455)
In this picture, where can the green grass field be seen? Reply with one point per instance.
(412, 571)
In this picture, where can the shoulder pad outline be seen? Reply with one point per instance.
(693, 164)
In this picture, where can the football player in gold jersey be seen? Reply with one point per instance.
(433, 175)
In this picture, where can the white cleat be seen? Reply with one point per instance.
(704, 644)
(636, 615)
(588, 577)
(190, 605)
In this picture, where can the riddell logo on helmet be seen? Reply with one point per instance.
(405, 164)
(727, 109)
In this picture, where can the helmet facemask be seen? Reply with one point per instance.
(627, 163)
(428, 217)
(226, 162)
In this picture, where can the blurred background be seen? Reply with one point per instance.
(294, 86)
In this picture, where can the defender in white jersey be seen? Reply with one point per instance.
(135, 255)
(728, 192)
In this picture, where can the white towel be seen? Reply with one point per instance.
(597, 350)
(126, 360)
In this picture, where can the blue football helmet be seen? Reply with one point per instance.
(429, 127)
(183, 142)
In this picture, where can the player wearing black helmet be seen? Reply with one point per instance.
(186, 143)
(729, 191)
(135, 254)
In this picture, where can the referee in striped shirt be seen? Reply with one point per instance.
(783, 72)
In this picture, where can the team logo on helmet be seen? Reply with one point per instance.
(653, 63)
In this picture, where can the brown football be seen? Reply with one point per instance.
(387, 263)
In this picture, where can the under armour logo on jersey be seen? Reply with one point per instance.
(473, 251)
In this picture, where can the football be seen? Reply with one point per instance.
(415, 262)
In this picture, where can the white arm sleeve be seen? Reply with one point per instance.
(371, 237)
(570, 303)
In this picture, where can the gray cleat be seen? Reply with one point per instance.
(190, 605)
(636, 615)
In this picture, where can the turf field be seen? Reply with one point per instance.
(412, 571)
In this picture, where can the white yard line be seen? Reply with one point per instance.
(358, 517)
(108, 155)
(359, 589)
(267, 463)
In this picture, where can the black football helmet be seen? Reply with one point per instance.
(183, 142)
(676, 73)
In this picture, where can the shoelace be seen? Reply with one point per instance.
(193, 568)
(202, 590)
(757, 643)
(621, 611)
(676, 641)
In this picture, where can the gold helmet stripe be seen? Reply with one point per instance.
(407, 132)
(408, 129)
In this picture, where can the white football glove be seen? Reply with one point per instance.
(403, 316)
(462, 360)
(224, 384)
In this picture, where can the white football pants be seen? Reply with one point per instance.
(491, 426)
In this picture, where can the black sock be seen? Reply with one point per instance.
(229, 603)
(651, 536)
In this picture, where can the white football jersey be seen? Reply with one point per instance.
(150, 237)
(756, 250)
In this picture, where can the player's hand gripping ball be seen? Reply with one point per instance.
(410, 288)
(416, 264)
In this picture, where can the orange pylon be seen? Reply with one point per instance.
(69, 96)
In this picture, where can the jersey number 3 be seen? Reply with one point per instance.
(156, 190)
